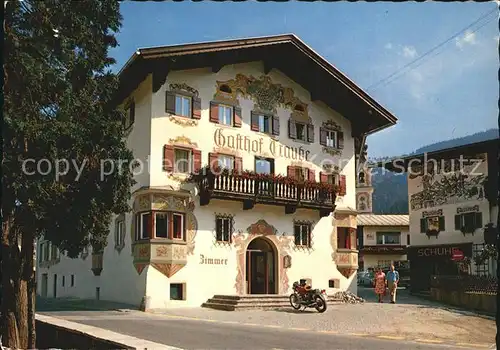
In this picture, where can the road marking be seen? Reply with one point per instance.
(474, 345)
(358, 334)
(430, 341)
(230, 322)
(390, 337)
(251, 324)
(272, 326)
(328, 332)
(299, 329)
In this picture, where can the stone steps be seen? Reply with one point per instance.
(252, 302)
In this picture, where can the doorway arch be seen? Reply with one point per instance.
(261, 267)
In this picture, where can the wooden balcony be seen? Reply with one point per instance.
(251, 191)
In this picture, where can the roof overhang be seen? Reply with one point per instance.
(286, 53)
(400, 165)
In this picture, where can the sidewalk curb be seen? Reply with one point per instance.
(123, 340)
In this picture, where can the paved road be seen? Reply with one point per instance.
(203, 334)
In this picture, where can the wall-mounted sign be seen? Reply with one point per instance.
(240, 142)
(468, 209)
(438, 212)
(438, 251)
(212, 261)
(287, 261)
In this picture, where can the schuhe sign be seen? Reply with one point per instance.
(259, 145)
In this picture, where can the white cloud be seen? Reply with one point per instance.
(388, 46)
(409, 51)
(469, 38)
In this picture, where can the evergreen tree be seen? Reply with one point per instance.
(58, 106)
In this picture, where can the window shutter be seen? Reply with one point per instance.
(196, 161)
(238, 164)
(170, 102)
(342, 186)
(214, 112)
(340, 138)
(311, 175)
(276, 125)
(290, 171)
(458, 222)
(310, 133)
(479, 220)
(254, 122)
(168, 158)
(423, 225)
(213, 160)
(132, 114)
(237, 116)
(322, 136)
(292, 129)
(441, 223)
(196, 108)
(323, 177)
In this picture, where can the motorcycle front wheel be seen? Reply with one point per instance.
(294, 301)
(320, 304)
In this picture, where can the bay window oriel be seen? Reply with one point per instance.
(160, 224)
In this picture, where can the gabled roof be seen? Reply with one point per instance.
(383, 220)
(287, 53)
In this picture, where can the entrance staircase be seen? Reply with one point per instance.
(253, 302)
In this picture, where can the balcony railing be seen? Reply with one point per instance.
(228, 186)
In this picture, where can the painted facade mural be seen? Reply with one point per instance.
(448, 182)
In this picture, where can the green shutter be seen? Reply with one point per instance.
(441, 223)
(458, 222)
(423, 225)
(479, 220)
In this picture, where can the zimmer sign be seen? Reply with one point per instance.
(259, 145)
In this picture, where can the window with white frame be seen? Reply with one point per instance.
(225, 115)
(331, 138)
(302, 234)
(226, 162)
(120, 233)
(183, 105)
(183, 160)
(389, 238)
(165, 224)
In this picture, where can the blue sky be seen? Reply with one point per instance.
(453, 92)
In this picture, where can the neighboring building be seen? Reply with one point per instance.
(382, 239)
(260, 106)
(450, 207)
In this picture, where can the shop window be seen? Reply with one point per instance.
(177, 291)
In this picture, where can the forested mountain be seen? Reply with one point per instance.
(390, 194)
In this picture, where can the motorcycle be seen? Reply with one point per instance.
(304, 298)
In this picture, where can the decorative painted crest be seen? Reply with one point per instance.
(261, 227)
(331, 125)
(266, 94)
(183, 140)
(184, 87)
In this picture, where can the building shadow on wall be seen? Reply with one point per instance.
(74, 304)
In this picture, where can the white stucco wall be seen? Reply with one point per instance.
(370, 239)
(204, 81)
(204, 281)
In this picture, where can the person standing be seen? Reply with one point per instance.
(392, 282)
(379, 282)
